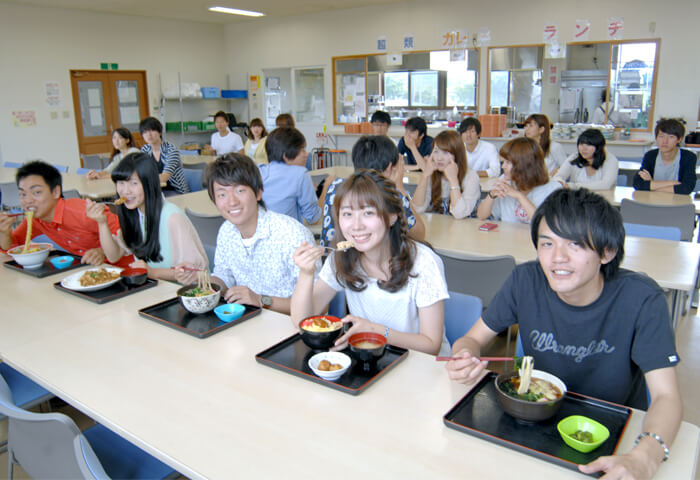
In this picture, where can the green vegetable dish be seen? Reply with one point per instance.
(583, 436)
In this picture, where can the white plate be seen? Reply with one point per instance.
(72, 282)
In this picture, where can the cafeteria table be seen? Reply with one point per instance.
(94, 189)
(209, 410)
(673, 265)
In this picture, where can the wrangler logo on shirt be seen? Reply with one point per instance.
(545, 341)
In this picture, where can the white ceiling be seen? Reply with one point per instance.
(196, 10)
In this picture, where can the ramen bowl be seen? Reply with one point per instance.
(320, 338)
(134, 277)
(202, 304)
(529, 411)
(335, 358)
(570, 425)
(61, 262)
(229, 312)
(367, 347)
(38, 253)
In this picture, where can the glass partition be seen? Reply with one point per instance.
(515, 80)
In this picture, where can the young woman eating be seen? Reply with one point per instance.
(123, 144)
(394, 286)
(448, 185)
(255, 145)
(157, 232)
(537, 127)
(592, 167)
(524, 186)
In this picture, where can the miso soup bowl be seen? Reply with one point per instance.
(134, 276)
(367, 355)
(320, 340)
(529, 411)
(199, 304)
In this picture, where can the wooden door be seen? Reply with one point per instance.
(105, 100)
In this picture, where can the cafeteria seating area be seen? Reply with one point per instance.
(200, 397)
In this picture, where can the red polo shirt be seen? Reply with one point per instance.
(70, 228)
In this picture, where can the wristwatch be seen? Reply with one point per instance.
(266, 300)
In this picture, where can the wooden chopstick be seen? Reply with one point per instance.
(485, 359)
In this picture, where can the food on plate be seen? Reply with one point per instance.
(97, 277)
(321, 324)
(326, 366)
(366, 344)
(582, 436)
(344, 245)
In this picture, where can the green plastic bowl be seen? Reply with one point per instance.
(573, 424)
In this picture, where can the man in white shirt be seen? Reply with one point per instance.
(481, 156)
(224, 140)
(253, 261)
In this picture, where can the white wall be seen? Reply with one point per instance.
(314, 39)
(43, 44)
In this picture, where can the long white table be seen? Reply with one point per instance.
(94, 189)
(209, 410)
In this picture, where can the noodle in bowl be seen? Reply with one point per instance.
(530, 411)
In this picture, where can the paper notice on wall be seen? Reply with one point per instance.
(550, 35)
(483, 37)
(95, 117)
(408, 41)
(53, 94)
(381, 43)
(24, 118)
(94, 97)
(616, 28)
(129, 115)
(126, 94)
(582, 30)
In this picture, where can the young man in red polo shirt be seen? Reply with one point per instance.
(62, 220)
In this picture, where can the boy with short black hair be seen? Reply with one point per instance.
(253, 260)
(373, 152)
(415, 144)
(482, 157)
(64, 221)
(381, 121)
(604, 331)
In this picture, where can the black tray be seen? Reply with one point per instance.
(118, 290)
(173, 314)
(47, 268)
(292, 355)
(479, 414)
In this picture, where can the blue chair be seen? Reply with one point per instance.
(83, 171)
(25, 392)
(461, 313)
(652, 231)
(337, 307)
(45, 445)
(12, 165)
(622, 180)
(680, 216)
(193, 178)
(61, 168)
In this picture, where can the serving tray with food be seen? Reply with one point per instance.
(357, 371)
(56, 262)
(102, 284)
(181, 314)
(484, 414)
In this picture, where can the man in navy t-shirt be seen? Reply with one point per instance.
(415, 144)
(604, 331)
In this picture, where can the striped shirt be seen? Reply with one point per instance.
(170, 163)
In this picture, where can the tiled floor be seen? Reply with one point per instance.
(687, 337)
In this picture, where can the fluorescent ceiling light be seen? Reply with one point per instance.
(235, 11)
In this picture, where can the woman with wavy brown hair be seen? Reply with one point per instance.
(537, 127)
(448, 185)
(524, 184)
(393, 285)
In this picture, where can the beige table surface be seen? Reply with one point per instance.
(95, 189)
(671, 264)
(209, 410)
(194, 159)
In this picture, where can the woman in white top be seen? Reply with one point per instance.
(223, 141)
(447, 185)
(482, 157)
(592, 167)
(255, 145)
(123, 144)
(537, 127)
(524, 186)
(394, 286)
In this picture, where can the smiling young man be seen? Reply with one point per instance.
(482, 157)
(253, 260)
(64, 221)
(604, 331)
